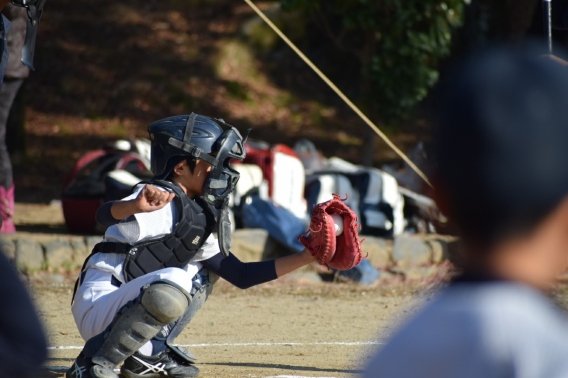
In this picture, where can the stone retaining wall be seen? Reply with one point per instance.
(32, 252)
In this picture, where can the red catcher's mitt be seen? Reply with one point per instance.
(341, 252)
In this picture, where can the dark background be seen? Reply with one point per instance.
(106, 69)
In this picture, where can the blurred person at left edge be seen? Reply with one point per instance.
(23, 344)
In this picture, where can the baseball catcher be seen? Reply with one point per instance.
(341, 251)
(151, 273)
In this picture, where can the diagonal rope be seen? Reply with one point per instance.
(339, 93)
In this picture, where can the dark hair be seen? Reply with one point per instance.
(501, 145)
(191, 161)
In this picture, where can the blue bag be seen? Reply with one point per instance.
(280, 223)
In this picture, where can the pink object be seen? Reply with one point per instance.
(7, 210)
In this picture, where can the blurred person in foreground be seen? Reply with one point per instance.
(502, 156)
(14, 77)
(4, 26)
(19, 23)
(23, 344)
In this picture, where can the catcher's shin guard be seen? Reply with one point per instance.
(160, 303)
(200, 293)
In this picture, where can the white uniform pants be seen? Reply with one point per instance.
(97, 300)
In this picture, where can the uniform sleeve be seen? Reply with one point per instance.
(159, 222)
(209, 249)
(104, 216)
(140, 226)
(242, 275)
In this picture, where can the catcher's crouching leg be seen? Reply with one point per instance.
(172, 361)
(159, 304)
(200, 292)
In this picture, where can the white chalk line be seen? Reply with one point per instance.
(62, 369)
(344, 343)
(59, 369)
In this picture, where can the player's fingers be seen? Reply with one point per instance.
(147, 197)
(162, 196)
(162, 199)
(152, 198)
(145, 193)
(151, 191)
(166, 198)
(142, 197)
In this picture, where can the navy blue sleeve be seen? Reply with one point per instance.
(242, 275)
(104, 216)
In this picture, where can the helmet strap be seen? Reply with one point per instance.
(224, 231)
(186, 145)
(192, 150)
(189, 128)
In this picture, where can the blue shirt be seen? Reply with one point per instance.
(4, 26)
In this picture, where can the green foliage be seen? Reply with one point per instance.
(236, 90)
(399, 44)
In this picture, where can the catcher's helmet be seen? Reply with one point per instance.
(179, 137)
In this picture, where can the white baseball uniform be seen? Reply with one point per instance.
(98, 300)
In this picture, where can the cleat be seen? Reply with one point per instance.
(83, 367)
(164, 364)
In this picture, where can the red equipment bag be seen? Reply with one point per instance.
(285, 173)
(84, 189)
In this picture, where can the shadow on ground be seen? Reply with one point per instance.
(285, 367)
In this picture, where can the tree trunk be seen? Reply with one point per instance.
(367, 157)
(368, 107)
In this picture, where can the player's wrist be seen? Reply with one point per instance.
(307, 256)
(123, 209)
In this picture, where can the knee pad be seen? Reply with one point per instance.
(159, 304)
(165, 301)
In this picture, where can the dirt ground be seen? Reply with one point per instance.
(286, 328)
(289, 328)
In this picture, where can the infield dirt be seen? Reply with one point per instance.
(289, 327)
(285, 328)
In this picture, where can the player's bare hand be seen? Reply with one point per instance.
(151, 198)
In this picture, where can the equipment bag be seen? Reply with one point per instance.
(280, 223)
(84, 187)
(371, 193)
(284, 172)
(320, 187)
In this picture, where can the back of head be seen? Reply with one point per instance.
(502, 142)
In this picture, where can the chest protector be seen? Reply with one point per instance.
(174, 250)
